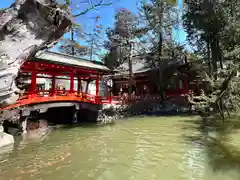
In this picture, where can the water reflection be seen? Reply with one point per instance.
(222, 145)
(137, 149)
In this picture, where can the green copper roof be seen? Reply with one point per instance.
(58, 58)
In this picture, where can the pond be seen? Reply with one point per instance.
(140, 148)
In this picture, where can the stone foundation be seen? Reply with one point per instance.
(113, 112)
(94, 113)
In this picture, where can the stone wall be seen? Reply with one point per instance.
(144, 107)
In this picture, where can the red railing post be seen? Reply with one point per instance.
(97, 85)
(97, 99)
(33, 88)
(79, 84)
(110, 98)
(72, 83)
(53, 85)
(184, 84)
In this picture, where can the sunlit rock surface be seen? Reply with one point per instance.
(5, 139)
(26, 27)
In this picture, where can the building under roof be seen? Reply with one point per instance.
(139, 65)
(59, 58)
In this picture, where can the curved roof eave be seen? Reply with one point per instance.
(58, 58)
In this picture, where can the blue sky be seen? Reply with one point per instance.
(106, 14)
(179, 35)
(6, 3)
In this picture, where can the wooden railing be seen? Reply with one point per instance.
(48, 96)
(65, 95)
(45, 96)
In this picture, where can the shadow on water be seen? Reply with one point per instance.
(87, 125)
(216, 139)
(168, 114)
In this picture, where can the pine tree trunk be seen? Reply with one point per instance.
(216, 56)
(160, 5)
(209, 59)
(25, 28)
(130, 69)
(214, 59)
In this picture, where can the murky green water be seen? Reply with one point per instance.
(136, 149)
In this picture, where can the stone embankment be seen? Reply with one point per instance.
(145, 107)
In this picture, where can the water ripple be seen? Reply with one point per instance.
(137, 149)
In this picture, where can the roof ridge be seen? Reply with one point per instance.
(66, 55)
(69, 60)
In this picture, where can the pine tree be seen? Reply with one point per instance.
(213, 28)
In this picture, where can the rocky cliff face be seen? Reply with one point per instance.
(26, 27)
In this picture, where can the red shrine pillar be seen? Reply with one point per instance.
(33, 88)
(53, 93)
(97, 85)
(72, 83)
(184, 84)
(79, 85)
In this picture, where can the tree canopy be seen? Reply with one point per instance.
(213, 28)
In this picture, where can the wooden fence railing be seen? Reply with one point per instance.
(44, 96)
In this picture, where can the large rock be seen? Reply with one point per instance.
(5, 139)
(26, 27)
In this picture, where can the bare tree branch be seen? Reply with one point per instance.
(100, 3)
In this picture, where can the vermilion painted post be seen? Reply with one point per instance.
(34, 82)
(97, 86)
(184, 84)
(97, 89)
(33, 88)
(72, 83)
(53, 84)
(79, 84)
(110, 98)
